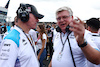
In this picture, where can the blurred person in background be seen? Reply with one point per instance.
(41, 43)
(33, 33)
(93, 27)
(0, 28)
(1, 36)
(8, 27)
(14, 23)
(4, 29)
(53, 26)
(49, 42)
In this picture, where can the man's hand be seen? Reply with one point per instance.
(77, 26)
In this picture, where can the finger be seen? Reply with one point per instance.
(80, 20)
(76, 18)
(75, 22)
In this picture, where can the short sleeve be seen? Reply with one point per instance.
(33, 34)
(89, 39)
(44, 36)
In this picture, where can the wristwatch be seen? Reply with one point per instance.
(83, 45)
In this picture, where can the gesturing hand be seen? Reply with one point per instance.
(79, 30)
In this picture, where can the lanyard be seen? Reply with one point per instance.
(69, 46)
(62, 42)
(30, 41)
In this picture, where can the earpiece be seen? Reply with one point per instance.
(67, 29)
(58, 29)
(23, 13)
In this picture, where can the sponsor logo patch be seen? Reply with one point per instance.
(6, 44)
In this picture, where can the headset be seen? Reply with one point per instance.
(23, 13)
(67, 29)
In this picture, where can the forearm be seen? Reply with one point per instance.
(43, 43)
(50, 64)
(41, 51)
(91, 54)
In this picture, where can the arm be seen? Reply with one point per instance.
(43, 44)
(8, 53)
(90, 53)
(50, 64)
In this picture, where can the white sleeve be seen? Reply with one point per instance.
(87, 34)
(44, 36)
(35, 36)
(89, 39)
(8, 53)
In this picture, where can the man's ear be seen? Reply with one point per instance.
(89, 28)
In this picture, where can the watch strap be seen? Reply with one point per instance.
(83, 45)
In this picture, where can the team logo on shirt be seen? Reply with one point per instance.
(57, 36)
(23, 40)
(6, 44)
(25, 43)
(4, 55)
(6, 50)
(72, 36)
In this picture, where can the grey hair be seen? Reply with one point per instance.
(65, 8)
